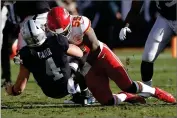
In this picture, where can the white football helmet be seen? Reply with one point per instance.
(33, 34)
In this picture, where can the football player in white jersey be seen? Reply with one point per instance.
(161, 33)
(103, 63)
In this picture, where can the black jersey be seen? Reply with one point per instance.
(27, 8)
(167, 8)
(48, 63)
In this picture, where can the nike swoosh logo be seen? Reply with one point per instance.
(103, 55)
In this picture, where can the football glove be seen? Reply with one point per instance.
(123, 31)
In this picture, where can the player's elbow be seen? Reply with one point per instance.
(79, 53)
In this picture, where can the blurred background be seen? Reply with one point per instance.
(107, 18)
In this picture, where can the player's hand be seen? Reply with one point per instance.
(17, 59)
(123, 31)
(8, 88)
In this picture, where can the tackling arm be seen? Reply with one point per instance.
(70, 49)
(92, 42)
(20, 83)
(74, 50)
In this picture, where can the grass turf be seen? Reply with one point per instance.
(32, 103)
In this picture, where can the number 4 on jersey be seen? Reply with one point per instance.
(76, 21)
(51, 69)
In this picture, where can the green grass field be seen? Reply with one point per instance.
(32, 103)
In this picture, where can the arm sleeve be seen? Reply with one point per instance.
(24, 57)
(134, 12)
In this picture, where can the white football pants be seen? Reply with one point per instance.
(159, 36)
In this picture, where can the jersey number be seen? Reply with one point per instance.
(76, 21)
(51, 69)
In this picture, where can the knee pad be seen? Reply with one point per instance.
(153, 45)
(148, 57)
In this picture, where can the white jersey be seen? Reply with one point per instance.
(80, 25)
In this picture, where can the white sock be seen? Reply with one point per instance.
(149, 83)
(119, 98)
(143, 88)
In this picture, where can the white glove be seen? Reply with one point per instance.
(72, 88)
(122, 34)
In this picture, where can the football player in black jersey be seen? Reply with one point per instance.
(18, 11)
(161, 33)
(46, 58)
